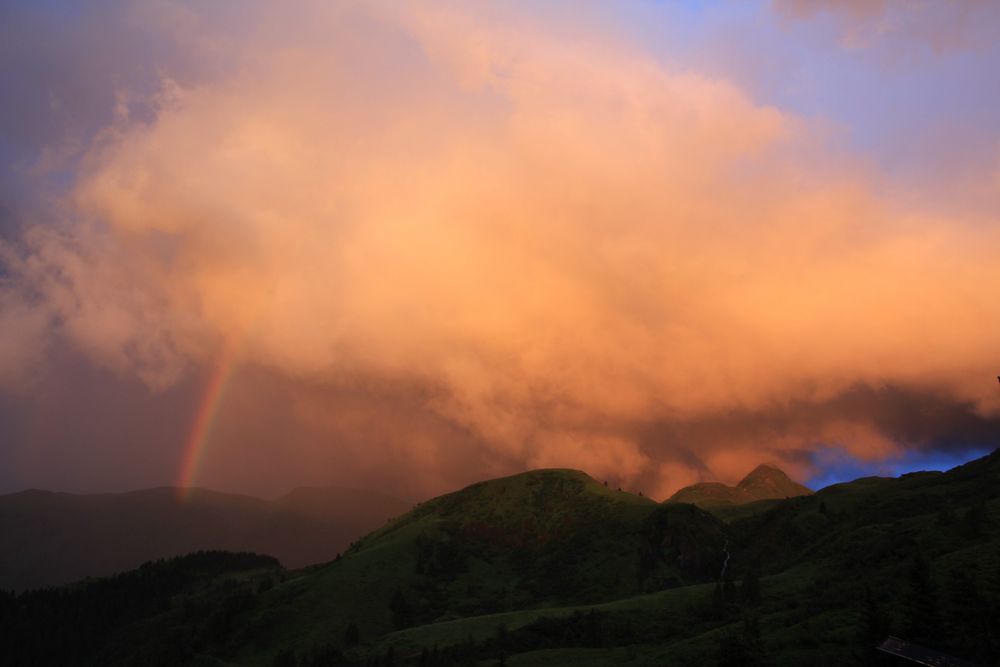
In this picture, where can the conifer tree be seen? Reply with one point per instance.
(728, 588)
(352, 636)
(750, 588)
(743, 648)
(873, 627)
(402, 615)
(970, 615)
(922, 603)
(718, 601)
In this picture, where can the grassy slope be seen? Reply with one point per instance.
(552, 567)
(521, 542)
(809, 612)
(822, 550)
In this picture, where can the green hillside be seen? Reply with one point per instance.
(550, 567)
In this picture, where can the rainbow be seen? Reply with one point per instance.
(212, 399)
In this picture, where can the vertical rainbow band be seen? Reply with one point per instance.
(208, 409)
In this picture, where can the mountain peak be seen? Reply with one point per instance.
(765, 468)
(764, 472)
(763, 483)
(767, 481)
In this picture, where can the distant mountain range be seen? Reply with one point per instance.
(54, 538)
(763, 483)
(551, 567)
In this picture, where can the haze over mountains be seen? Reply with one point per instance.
(55, 538)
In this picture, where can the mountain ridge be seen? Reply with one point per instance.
(54, 537)
(765, 482)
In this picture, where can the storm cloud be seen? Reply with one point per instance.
(448, 240)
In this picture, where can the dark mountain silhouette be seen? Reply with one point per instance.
(763, 483)
(552, 568)
(53, 538)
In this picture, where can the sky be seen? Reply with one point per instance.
(410, 245)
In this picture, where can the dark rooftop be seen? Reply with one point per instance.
(920, 655)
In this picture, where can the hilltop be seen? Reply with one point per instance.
(763, 483)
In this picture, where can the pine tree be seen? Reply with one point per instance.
(743, 648)
(285, 658)
(718, 601)
(922, 603)
(974, 522)
(873, 628)
(970, 614)
(728, 588)
(402, 615)
(750, 588)
(501, 632)
(946, 516)
(352, 636)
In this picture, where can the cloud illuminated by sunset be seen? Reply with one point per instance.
(555, 247)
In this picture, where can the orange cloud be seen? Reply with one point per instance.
(554, 236)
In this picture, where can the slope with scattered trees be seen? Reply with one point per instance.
(550, 567)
